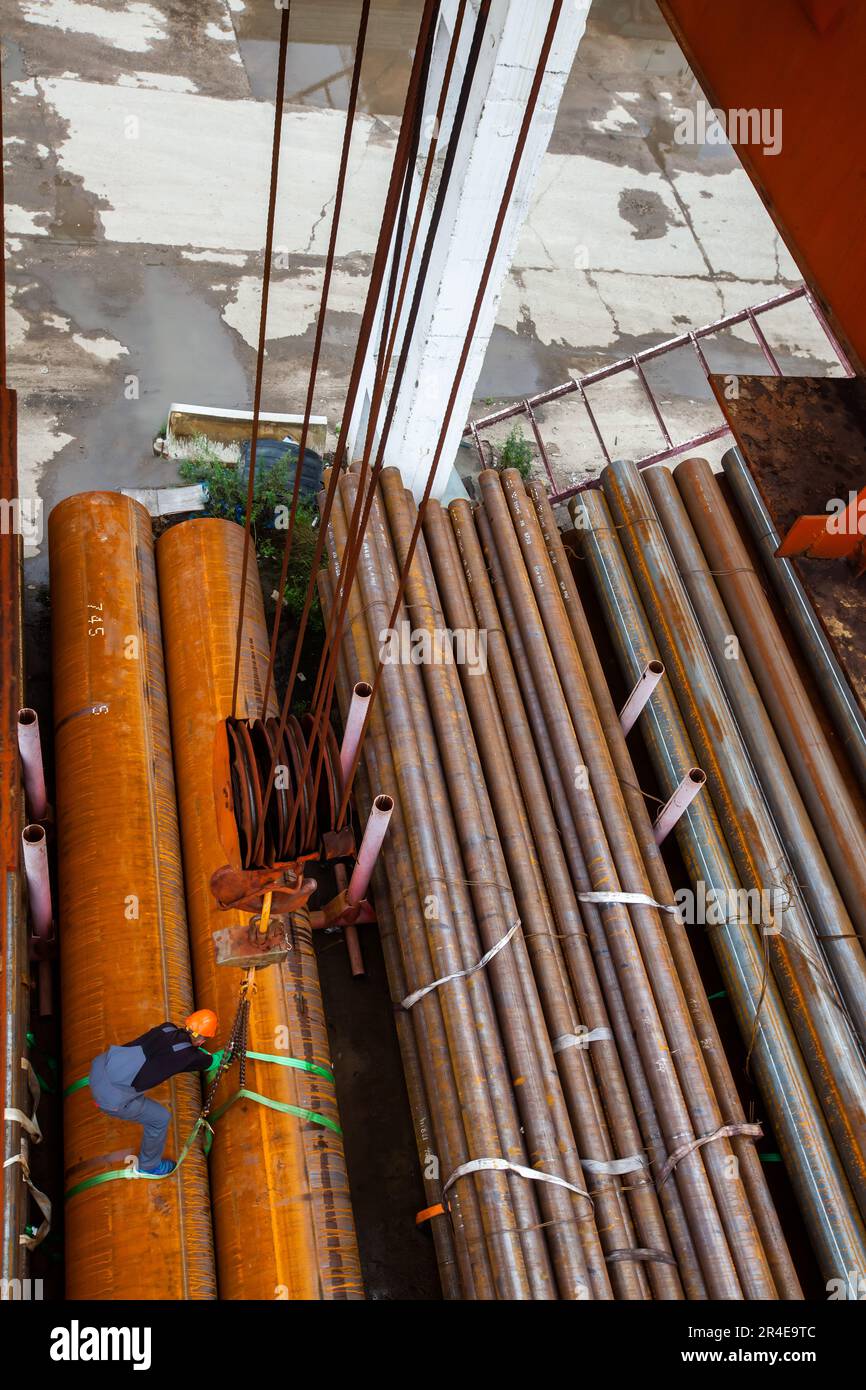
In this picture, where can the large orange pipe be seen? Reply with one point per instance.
(283, 1220)
(122, 927)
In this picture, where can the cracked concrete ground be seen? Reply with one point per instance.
(137, 150)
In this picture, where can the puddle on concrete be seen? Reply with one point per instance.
(321, 53)
(179, 350)
(13, 61)
(647, 213)
(516, 365)
(75, 215)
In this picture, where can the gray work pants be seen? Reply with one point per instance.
(110, 1085)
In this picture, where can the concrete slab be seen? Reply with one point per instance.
(137, 155)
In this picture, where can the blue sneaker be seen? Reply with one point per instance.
(162, 1169)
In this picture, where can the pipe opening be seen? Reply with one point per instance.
(697, 776)
(33, 834)
(27, 716)
(363, 690)
(657, 667)
(384, 803)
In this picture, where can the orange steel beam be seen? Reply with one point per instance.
(799, 58)
(13, 936)
(125, 949)
(283, 1221)
(837, 536)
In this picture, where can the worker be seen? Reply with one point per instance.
(120, 1077)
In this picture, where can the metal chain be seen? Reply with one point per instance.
(236, 1047)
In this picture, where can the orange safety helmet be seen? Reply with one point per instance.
(204, 1022)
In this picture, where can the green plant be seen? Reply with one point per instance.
(516, 452)
(272, 493)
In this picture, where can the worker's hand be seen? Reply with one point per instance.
(215, 1062)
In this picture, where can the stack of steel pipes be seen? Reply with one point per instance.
(777, 839)
(279, 1203)
(572, 1096)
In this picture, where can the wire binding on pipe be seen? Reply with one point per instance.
(638, 899)
(42, 1201)
(566, 1040)
(503, 1165)
(614, 1167)
(412, 999)
(723, 1132)
(640, 1255)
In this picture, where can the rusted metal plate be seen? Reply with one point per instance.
(804, 440)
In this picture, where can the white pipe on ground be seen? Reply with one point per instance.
(683, 796)
(374, 834)
(354, 724)
(30, 748)
(644, 687)
(35, 853)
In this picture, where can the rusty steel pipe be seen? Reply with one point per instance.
(750, 1167)
(827, 805)
(409, 961)
(120, 909)
(615, 865)
(842, 703)
(561, 1012)
(842, 950)
(828, 1041)
(586, 950)
(572, 1236)
(283, 1224)
(517, 1253)
(384, 875)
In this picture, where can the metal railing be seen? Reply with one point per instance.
(635, 364)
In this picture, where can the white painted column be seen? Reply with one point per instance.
(506, 67)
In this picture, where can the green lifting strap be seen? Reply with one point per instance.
(117, 1174)
(298, 1063)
